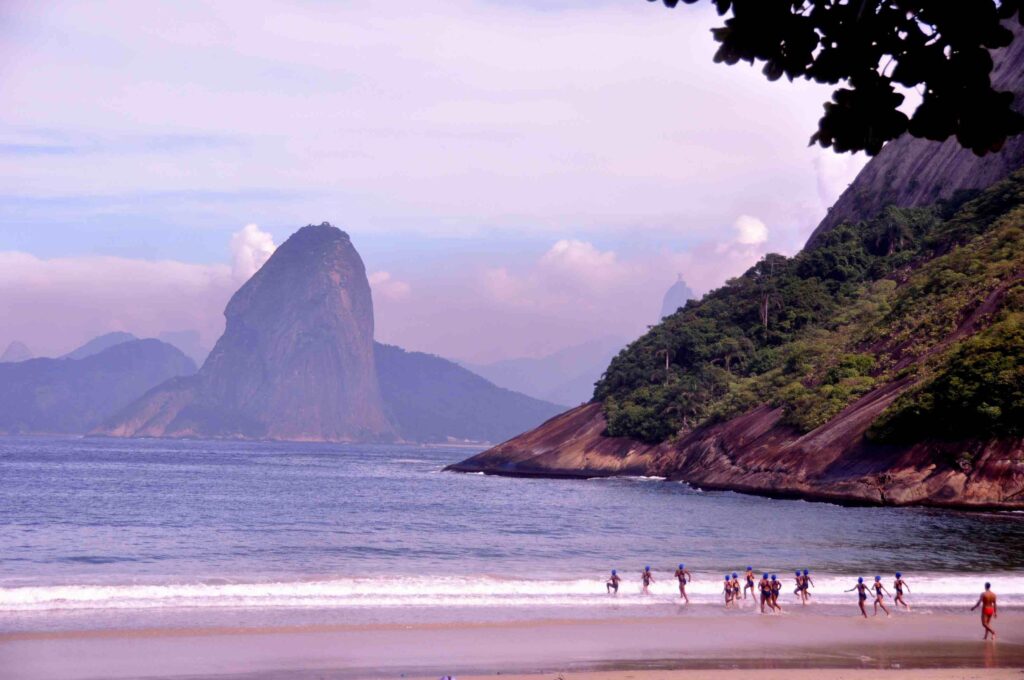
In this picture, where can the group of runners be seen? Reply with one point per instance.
(769, 586)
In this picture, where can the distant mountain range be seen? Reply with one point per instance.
(73, 395)
(565, 377)
(432, 399)
(16, 351)
(297, 361)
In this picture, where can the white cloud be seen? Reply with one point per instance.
(386, 286)
(750, 231)
(56, 304)
(250, 249)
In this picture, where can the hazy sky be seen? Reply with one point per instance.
(518, 176)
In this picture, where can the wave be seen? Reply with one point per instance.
(480, 591)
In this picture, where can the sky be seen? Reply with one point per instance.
(518, 177)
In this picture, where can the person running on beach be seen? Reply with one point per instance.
(648, 578)
(799, 590)
(808, 582)
(683, 576)
(612, 586)
(776, 589)
(735, 588)
(750, 583)
(766, 591)
(879, 589)
(727, 590)
(989, 611)
(898, 585)
(862, 594)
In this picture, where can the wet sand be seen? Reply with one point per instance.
(647, 648)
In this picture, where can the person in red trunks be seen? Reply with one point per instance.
(989, 611)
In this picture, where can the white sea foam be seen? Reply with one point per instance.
(441, 592)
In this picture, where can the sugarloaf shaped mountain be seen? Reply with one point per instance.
(297, 361)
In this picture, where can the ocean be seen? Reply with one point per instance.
(110, 534)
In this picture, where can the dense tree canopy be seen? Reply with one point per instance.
(872, 304)
(938, 47)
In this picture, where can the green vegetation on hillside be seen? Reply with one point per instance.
(872, 303)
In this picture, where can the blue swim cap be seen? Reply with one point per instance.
(750, 569)
(680, 565)
(765, 575)
(613, 572)
(797, 572)
(805, 572)
(878, 578)
(899, 575)
(647, 568)
(860, 579)
(734, 574)
(773, 577)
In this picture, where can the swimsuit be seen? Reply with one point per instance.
(988, 611)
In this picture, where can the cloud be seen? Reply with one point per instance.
(463, 116)
(386, 286)
(250, 249)
(56, 304)
(750, 231)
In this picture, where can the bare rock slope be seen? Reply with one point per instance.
(911, 172)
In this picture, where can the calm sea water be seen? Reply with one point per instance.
(115, 533)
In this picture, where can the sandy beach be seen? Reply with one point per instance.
(648, 648)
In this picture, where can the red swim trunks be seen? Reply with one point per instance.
(988, 611)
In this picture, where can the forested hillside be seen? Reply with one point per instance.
(871, 303)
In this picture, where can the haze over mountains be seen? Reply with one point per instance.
(884, 363)
(297, 361)
(73, 394)
(564, 377)
(16, 351)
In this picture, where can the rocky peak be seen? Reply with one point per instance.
(296, 360)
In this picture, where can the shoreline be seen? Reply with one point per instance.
(647, 645)
(833, 498)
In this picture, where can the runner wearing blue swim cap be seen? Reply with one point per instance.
(765, 588)
(612, 586)
(683, 576)
(898, 585)
(648, 578)
(776, 585)
(879, 590)
(808, 583)
(750, 583)
(727, 590)
(862, 594)
(735, 584)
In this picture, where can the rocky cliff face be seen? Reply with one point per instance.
(296, 361)
(911, 172)
(755, 453)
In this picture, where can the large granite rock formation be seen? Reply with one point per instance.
(71, 396)
(911, 172)
(296, 361)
